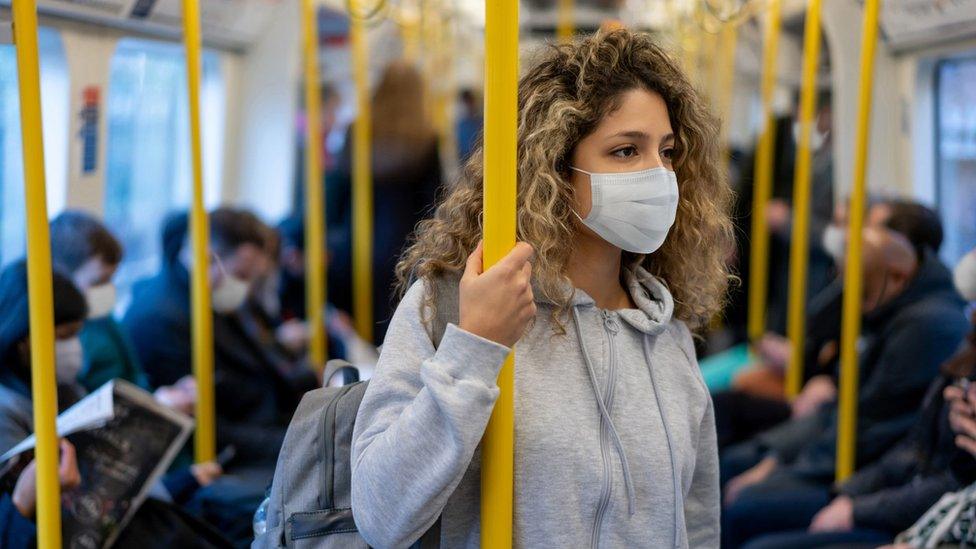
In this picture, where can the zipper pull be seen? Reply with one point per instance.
(610, 322)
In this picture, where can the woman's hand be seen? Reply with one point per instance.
(836, 517)
(25, 492)
(498, 304)
(757, 474)
(962, 416)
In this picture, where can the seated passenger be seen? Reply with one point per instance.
(254, 400)
(17, 528)
(912, 320)
(624, 210)
(344, 342)
(757, 401)
(889, 495)
(949, 523)
(85, 251)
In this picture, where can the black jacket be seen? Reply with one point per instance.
(903, 343)
(404, 190)
(892, 493)
(254, 399)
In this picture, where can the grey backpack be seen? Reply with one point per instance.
(309, 505)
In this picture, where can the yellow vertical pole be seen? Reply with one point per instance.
(362, 187)
(762, 188)
(205, 436)
(448, 91)
(851, 320)
(501, 176)
(314, 203)
(690, 52)
(565, 21)
(40, 297)
(410, 30)
(800, 246)
(725, 80)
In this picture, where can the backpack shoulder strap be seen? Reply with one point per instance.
(446, 304)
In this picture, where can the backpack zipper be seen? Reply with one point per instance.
(328, 436)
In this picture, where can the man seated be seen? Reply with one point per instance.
(756, 402)
(912, 321)
(343, 340)
(86, 252)
(254, 398)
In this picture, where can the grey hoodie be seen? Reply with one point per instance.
(614, 430)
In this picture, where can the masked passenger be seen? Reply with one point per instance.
(912, 321)
(254, 398)
(17, 509)
(890, 495)
(757, 401)
(623, 234)
(84, 250)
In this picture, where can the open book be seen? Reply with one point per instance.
(125, 441)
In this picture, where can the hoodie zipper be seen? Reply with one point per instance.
(610, 328)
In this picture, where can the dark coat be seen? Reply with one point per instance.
(254, 400)
(404, 192)
(904, 342)
(892, 493)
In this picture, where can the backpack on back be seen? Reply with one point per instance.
(309, 505)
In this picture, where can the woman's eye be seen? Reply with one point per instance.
(668, 154)
(626, 152)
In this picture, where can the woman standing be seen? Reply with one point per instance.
(624, 235)
(406, 176)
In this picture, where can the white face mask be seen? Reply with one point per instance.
(835, 242)
(964, 276)
(101, 300)
(633, 210)
(229, 293)
(817, 137)
(68, 359)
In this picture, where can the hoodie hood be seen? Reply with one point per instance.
(655, 306)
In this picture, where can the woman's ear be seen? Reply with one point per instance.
(562, 168)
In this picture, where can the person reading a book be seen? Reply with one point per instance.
(17, 507)
(17, 528)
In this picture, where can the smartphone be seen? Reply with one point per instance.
(963, 383)
(226, 455)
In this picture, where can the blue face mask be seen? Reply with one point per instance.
(634, 211)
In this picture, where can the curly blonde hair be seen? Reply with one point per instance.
(562, 98)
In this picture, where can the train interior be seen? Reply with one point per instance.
(139, 152)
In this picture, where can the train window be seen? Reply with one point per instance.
(55, 96)
(148, 167)
(956, 154)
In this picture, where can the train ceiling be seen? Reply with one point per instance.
(235, 24)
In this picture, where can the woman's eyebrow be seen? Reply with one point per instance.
(631, 134)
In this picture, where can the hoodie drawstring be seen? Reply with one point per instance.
(667, 435)
(628, 482)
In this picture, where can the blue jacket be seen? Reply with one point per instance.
(903, 344)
